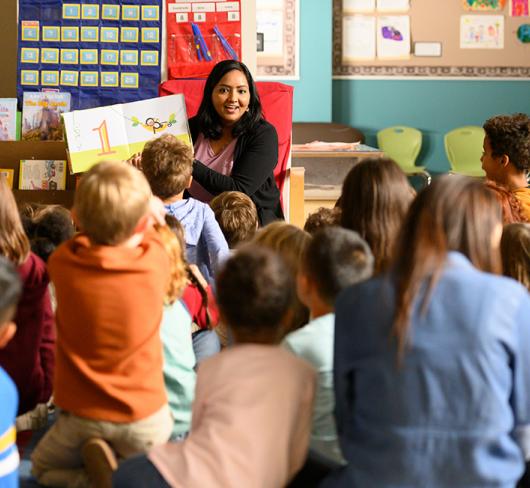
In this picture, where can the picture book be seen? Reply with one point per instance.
(8, 119)
(42, 175)
(41, 115)
(116, 132)
(9, 175)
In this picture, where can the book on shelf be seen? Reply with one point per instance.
(9, 175)
(41, 115)
(38, 174)
(116, 132)
(8, 119)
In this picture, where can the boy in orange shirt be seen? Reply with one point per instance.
(110, 282)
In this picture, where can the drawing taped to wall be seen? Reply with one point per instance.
(484, 5)
(482, 32)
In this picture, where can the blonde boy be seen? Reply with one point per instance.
(110, 282)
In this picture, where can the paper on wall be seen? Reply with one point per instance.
(393, 5)
(482, 32)
(358, 37)
(358, 6)
(393, 37)
(519, 8)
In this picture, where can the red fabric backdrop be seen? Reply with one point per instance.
(276, 100)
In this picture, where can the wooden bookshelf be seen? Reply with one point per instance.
(11, 152)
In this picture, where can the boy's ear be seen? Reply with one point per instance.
(7, 331)
(303, 288)
(505, 160)
(143, 224)
(189, 182)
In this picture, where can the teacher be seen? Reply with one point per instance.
(236, 149)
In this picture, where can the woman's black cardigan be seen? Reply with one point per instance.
(255, 157)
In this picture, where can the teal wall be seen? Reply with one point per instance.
(434, 107)
(313, 92)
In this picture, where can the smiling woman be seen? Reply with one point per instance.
(236, 149)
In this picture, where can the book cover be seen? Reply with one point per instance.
(8, 119)
(38, 174)
(116, 132)
(9, 175)
(41, 115)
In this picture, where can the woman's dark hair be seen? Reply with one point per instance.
(209, 120)
(455, 213)
(375, 198)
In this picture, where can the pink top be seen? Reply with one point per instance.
(250, 423)
(221, 162)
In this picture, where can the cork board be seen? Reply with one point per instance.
(435, 21)
(8, 53)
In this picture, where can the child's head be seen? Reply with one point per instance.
(14, 244)
(290, 242)
(334, 259)
(10, 291)
(237, 216)
(111, 201)
(506, 146)
(515, 252)
(323, 217)
(254, 294)
(375, 198)
(174, 247)
(167, 164)
(52, 225)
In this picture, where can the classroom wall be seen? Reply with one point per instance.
(313, 92)
(434, 107)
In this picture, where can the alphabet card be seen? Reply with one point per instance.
(116, 132)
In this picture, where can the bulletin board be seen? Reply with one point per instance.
(433, 21)
(200, 34)
(100, 51)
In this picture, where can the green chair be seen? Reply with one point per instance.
(463, 147)
(403, 145)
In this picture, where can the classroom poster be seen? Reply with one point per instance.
(519, 8)
(482, 32)
(358, 43)
(393, 6)
(101, 53)
(484, 5)
(358, 6)
(393, 37)
(117, 132)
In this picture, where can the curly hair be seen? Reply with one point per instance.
(510, 135)
(237, 216)
(515, 252)
(323, 217)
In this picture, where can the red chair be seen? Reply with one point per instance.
(277, 103)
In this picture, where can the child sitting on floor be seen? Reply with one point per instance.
(179, 358)
(10, 290)
(110, 282)
(335, 259)
(237, 216)
(167, 164)
(252, 410)
(323, 217)
(506, 161)
(29, 358)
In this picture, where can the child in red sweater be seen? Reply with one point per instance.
(29, 356)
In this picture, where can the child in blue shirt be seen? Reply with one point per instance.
(167, 164)
(10, 290)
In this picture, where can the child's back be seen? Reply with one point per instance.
(253, 401)
(252, 410)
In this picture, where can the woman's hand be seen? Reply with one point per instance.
(136, 161)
